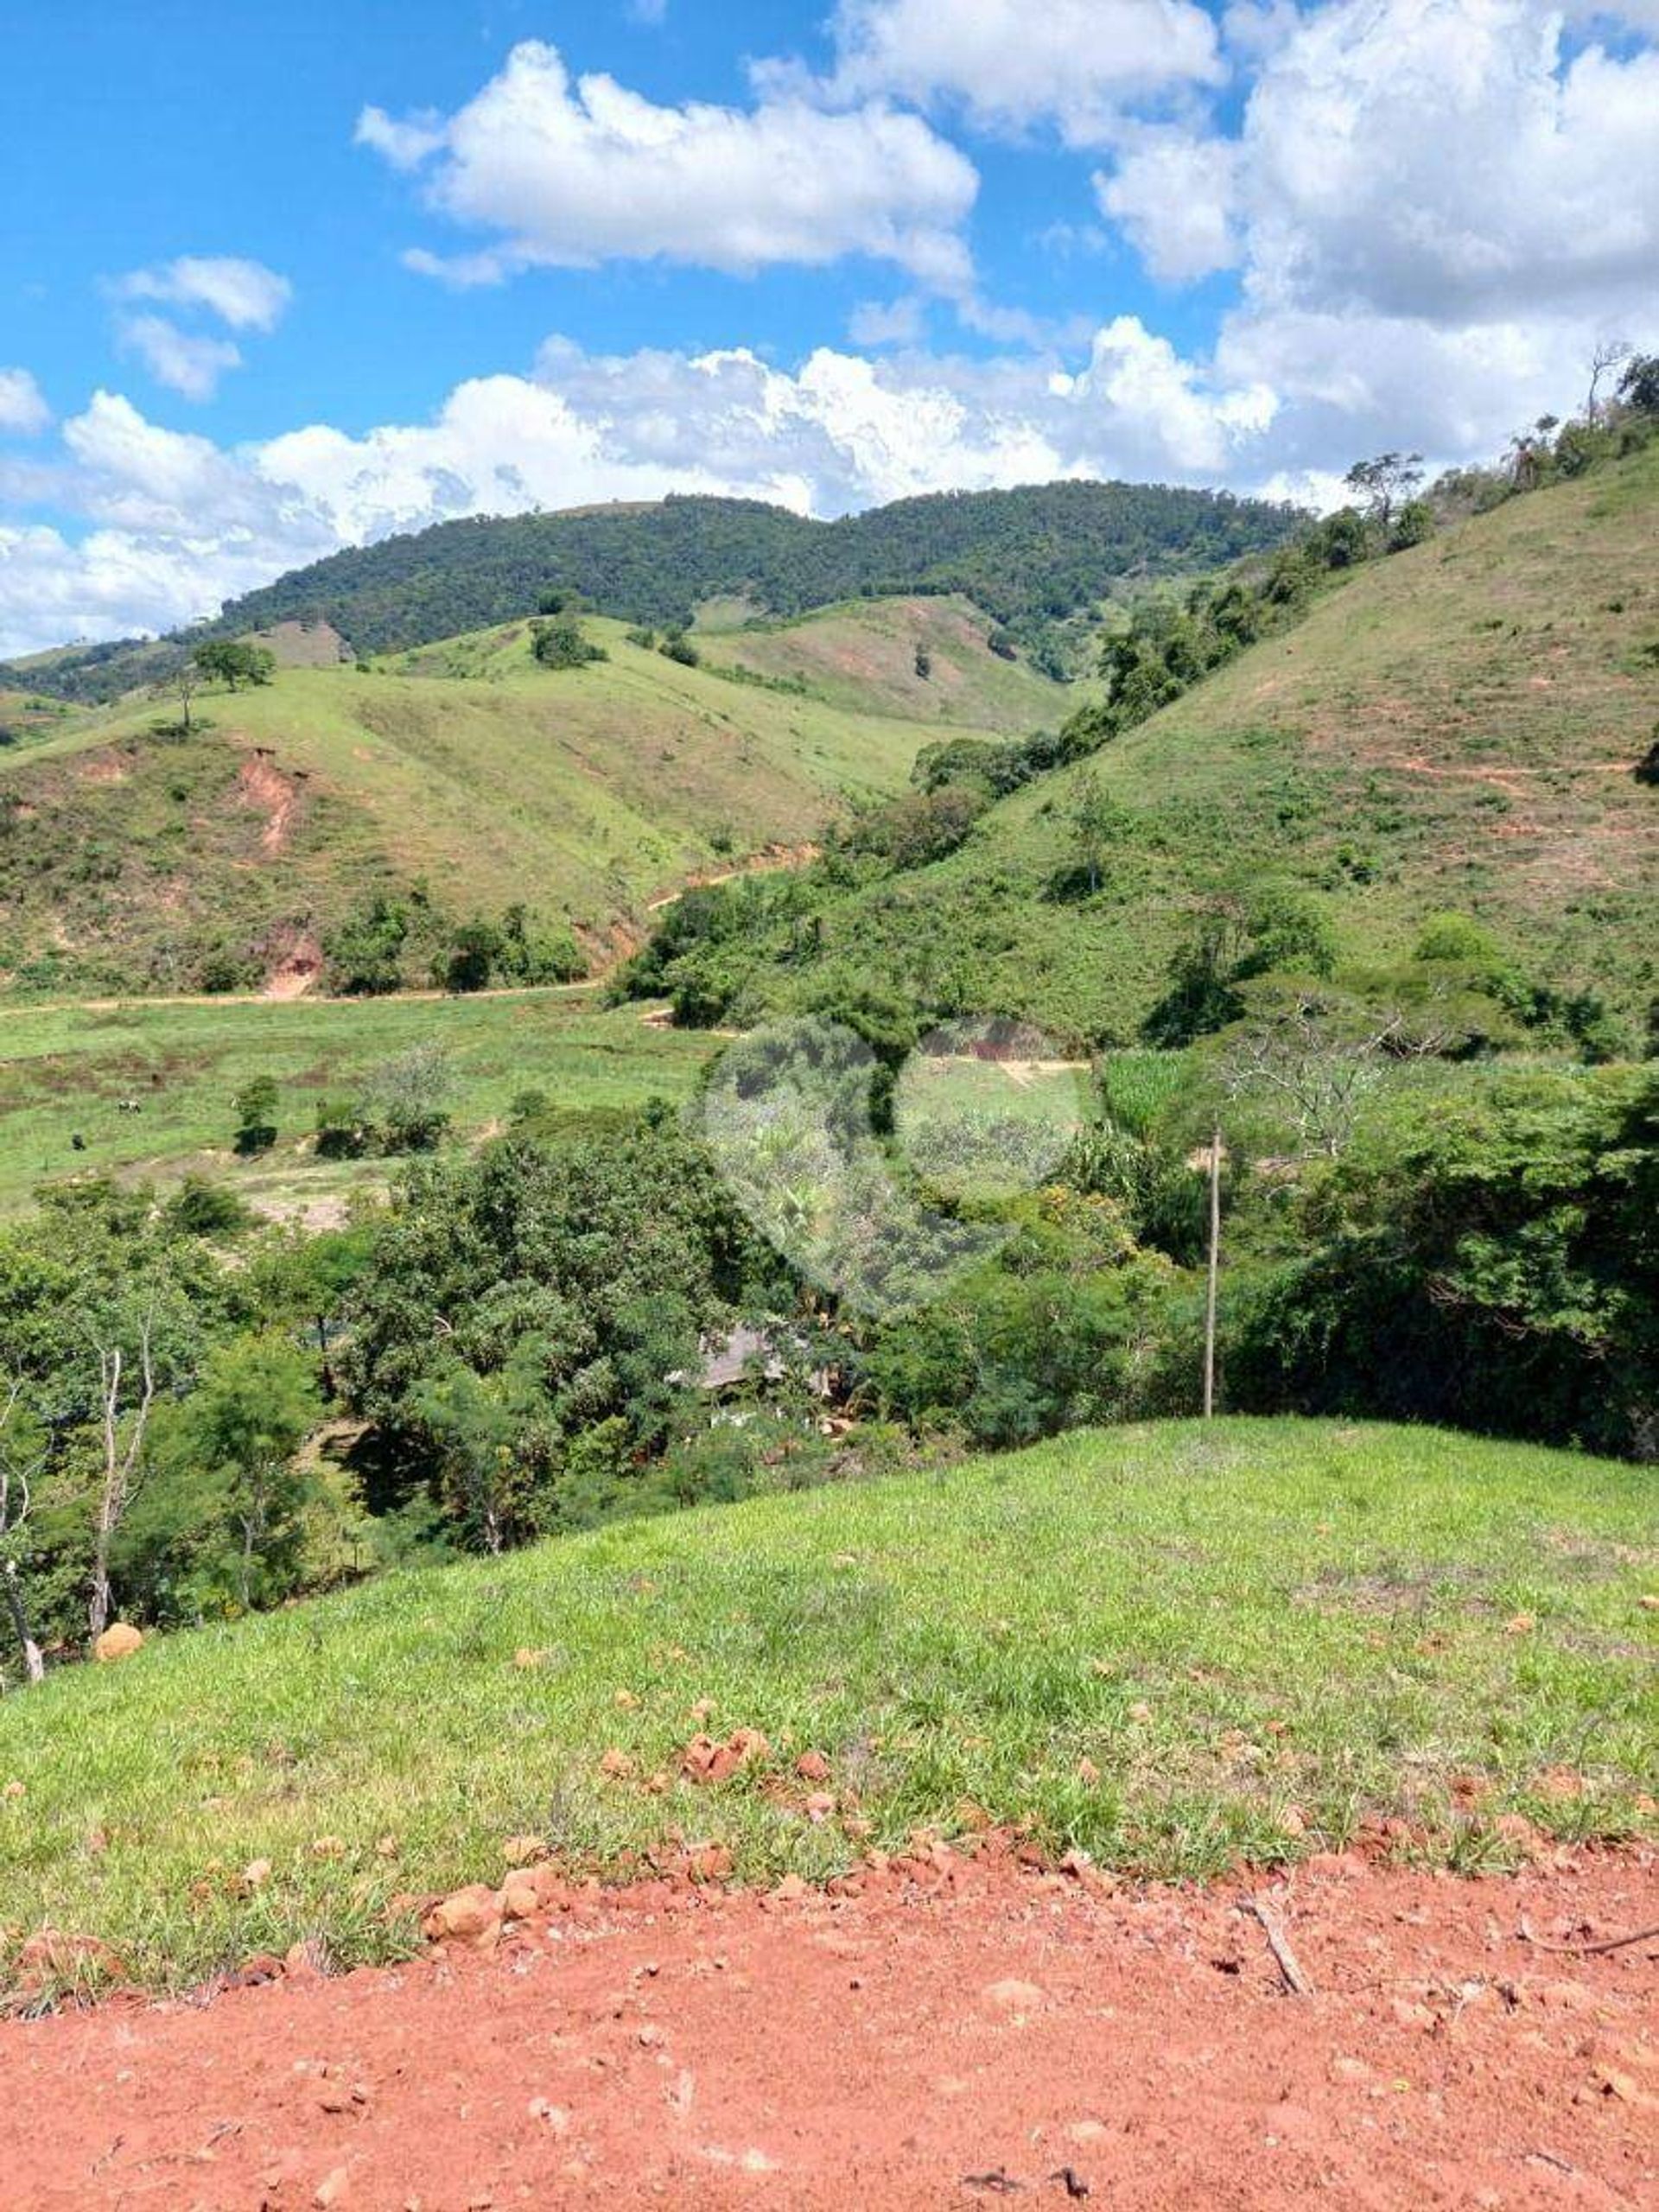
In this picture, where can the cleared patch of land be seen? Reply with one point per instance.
(925, 659)
(148, 1087)
(1172, 1647)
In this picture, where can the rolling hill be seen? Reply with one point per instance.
(1456, 727)
(133, 853)
(1028, 558)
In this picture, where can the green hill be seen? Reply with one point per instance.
(924, 659)
(1169, 1647)
(1028, 558)
(1456, 727)
(135, 856)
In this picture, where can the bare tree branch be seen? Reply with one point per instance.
(122, 1458)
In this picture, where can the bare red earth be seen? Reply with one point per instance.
(986, 2035)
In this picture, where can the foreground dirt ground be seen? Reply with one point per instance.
(957, 2034)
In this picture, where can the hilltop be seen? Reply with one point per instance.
(136, 855)
(1029, 559)
(1455, 726)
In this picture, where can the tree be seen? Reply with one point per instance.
(185, 682)
(1610, 353)
(365, 952)
(1639, 385)
(232, 661)
(123, 1426)
(408, 1096)
(1383, 482)
(1310, 1057)
(1095, 819)
(1235, 941)
(238, 1434)
(559, 643)
(472, 956)
(256, 1115)
(23, 1455)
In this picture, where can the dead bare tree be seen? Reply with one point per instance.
(17, 1479)
(1315, 1066)
(1213, 1275)
(122, 1455)
(1317, 1071)
(1610, 353)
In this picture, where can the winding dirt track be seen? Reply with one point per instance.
(969, 2036)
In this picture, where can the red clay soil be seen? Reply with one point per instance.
(983, 2035)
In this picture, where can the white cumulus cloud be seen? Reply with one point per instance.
(570, 171)
(187, 361)
(244, 294)
(24, 410)
(1073, 65)
(176, 522)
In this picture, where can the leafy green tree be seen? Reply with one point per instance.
(24, 1450)
(1236, 939)
(1639, 385)
(1384, 484)
(255, 1105)
(1097, 821)
(229, 1488)
(1486, 1261)
(366, 952)
(233, 662)
(559, 643)
(516, 1300)
(530, 951)
(408, 1098)
(473, 955)
(677, 646)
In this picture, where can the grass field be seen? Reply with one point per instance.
(863, 658)
(1457, 726)
(65, 1071)
(1256, 1635)
(125, 852)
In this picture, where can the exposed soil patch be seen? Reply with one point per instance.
(957, 2034)
(764, 862)
(104, 767)
(295, 967)
(260, 784)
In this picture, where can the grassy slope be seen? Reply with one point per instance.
(861, 658)
(583, 793)
(1457, 724)
(66, 1069)
(1230, 1623)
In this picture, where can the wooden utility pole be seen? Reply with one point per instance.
(1215, 1271)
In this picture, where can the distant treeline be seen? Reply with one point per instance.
(1029, 558)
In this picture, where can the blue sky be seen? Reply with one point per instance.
(278, 281)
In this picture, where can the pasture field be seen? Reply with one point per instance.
(148, 1085)
(1170, 1646)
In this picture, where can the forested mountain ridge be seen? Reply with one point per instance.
(1028, 558)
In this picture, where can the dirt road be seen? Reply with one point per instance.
(968, 2037)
